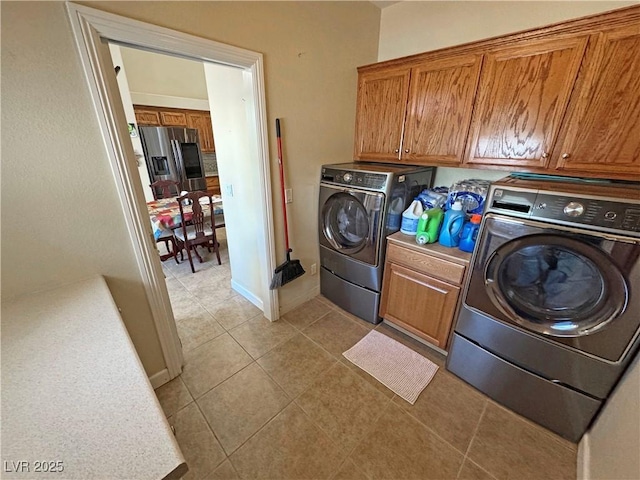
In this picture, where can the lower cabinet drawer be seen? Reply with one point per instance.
(427, 264)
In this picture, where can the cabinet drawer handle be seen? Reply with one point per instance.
(565, 155)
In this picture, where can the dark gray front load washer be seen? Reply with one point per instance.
(549, 319)
(360, 204)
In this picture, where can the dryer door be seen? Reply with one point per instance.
(565, 285)
(350, 222)
(555, 285)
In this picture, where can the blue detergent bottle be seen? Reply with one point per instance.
(452, 225)
(470, 234)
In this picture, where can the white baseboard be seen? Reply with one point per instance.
(247, 294)
(160, 378)
(584, 454)
(295, 302)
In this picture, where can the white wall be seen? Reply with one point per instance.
(230, 97)
(62, 220)
(164, 75)
(611, 448)
(411, 27)
(165, 81)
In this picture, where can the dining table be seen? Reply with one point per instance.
(165, 216)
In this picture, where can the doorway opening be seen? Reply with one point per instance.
(161, 90)
(93, 31)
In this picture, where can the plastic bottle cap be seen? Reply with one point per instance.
(476, 218)
(457, 205)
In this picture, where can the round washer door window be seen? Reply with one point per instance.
(345, 223)
(556, 285)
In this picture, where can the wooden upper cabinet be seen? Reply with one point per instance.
(202, 122)
(382, 103)
(147, 118)
(522, 97)
(602, 134)
(441, 98)
(173, 119)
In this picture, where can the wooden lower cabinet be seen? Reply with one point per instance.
(415, 299)
(213, 185)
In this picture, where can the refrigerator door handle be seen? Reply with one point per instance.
(177, 153)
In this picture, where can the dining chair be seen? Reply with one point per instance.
(165, 189)
(201, 229)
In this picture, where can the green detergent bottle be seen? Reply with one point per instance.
(429, 226)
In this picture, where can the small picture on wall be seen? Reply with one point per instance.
(132, 130)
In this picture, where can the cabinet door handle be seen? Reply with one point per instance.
(406, 150)
(397, 150)
(545, 155)
(565, 155)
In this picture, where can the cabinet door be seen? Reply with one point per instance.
(603, 123)
(522, 97)
(213, 185)
(202, 122)
(173, 119)
(381, 107)
(418, 303)
(147, 118)
(441, 98)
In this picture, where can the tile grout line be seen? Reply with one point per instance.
(475, 432)
(337, 445)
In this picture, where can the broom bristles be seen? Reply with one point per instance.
(286, 272)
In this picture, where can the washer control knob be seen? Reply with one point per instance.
(610, 215)
(574, 209)
(347, 177)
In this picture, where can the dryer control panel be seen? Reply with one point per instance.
(587, 211)
(604, 214)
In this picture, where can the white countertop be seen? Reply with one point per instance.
(75, 394)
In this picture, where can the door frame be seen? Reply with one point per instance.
(91, 30)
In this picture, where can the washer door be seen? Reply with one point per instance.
(555, 285)
(350, 222)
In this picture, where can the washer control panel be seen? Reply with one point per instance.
(376, 181)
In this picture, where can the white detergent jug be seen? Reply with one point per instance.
(410, 218)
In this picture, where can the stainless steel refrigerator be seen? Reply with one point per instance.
(173, 153)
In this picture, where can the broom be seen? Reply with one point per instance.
(290, 269)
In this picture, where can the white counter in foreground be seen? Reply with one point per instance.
(76, 402)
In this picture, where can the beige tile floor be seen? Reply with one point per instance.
(262, 400)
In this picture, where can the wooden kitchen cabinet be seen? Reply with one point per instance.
(562, 99)
(175, 117)
(522, 96)
(421, 288)
(382, 103)
(417, 115)
(148, 118)
(202, 122)
(602, 133)
(213, 185)
(440, 105)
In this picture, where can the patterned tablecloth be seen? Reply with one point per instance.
(165, 213)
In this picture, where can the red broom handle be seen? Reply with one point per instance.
(284, 202)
